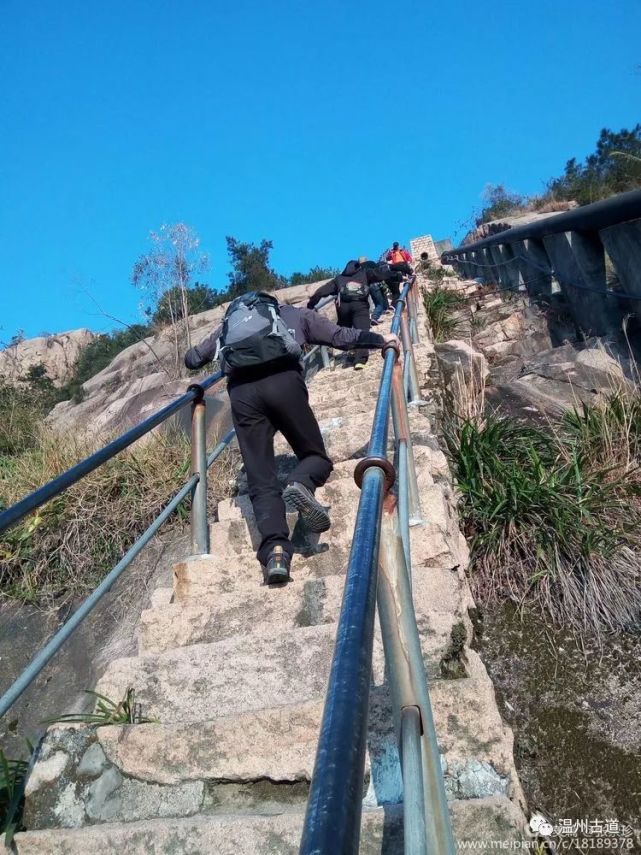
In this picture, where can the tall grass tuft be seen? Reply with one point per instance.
(12, 779)
(106, 712)
(551, 513)
(440, 307)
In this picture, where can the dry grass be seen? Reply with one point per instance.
(66, 547)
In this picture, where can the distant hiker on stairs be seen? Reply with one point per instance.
(352, 290)
(259, 345)
(399, 262)
(398, 255)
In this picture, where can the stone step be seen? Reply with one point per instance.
(322, 391)
(488, 822)
(349, 409)
(344, 379)
(365, 397)
(345, 437)
(137, 772)
(208, 607)
(208, 575)
(206, 681)
(261, 610)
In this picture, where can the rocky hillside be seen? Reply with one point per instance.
(58, 355)
(139, 380)
(521, 218)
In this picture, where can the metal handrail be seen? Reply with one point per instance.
(62, 482)
(594, 217)
(381, 537)
(196, 485)
(200, 464)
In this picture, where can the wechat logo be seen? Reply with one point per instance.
(540, 825)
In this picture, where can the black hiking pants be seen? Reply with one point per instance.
(355, 313)
(259, 408)
(394, 282)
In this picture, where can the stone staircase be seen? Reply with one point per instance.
(235, 674)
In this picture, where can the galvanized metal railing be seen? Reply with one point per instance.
(381, 538)
(196, 485)
(379, 570)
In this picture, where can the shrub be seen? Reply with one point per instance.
(440, 306)
(315, 274)
(550, 512)
(500, 203)
(22, 408)
(13, 774)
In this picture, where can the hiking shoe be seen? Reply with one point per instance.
(278, 566)
(298, 498)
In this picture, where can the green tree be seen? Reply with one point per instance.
(498, 203)
(315, 274)
(613, 167)
(199, 298)
(250, 268)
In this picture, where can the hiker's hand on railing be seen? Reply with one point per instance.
(391, 341)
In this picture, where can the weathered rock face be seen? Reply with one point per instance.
(463, 373)
(505, 351)
(57, 353)
(146, 376)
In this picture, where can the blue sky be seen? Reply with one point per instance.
(330, 128)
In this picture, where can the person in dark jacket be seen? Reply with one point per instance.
(376, 292)
(273, 397)
(351, 290)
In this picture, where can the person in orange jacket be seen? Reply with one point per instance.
(398, 260)
(398, 255)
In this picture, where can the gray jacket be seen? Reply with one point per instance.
(308, 327)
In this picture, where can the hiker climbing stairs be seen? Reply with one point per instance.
(234, 674)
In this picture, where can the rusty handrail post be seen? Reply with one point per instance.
(408, 483)
(408, 685)
(402, 437)
(413, 391)
(408, 496)
(327, 361)
(411, 752)
(199, 524)
(413, 313)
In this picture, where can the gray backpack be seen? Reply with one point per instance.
(253, 333)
